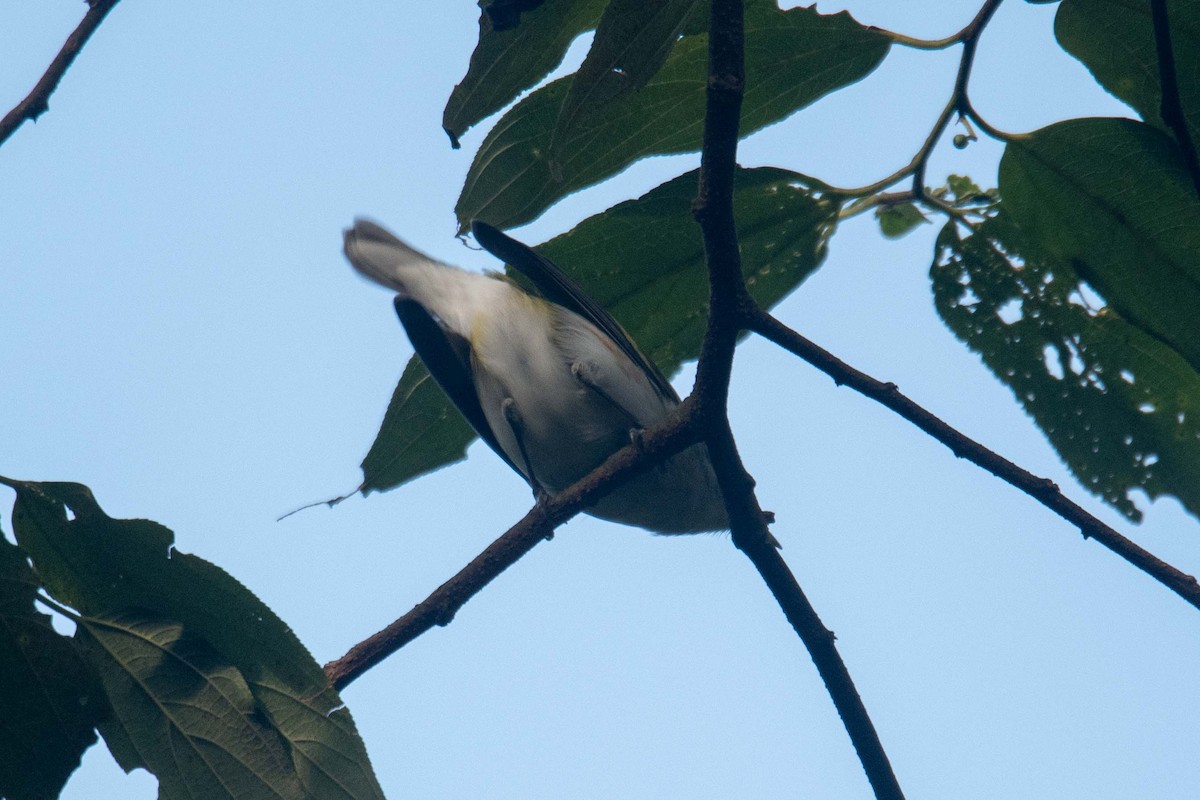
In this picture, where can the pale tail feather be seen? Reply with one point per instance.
(383, 258)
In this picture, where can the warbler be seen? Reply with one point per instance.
(552, 383)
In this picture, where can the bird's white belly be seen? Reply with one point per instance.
(565, 428)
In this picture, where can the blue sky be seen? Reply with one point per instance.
(181, 333)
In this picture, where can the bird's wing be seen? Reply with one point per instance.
(558, 288)
(448, 359)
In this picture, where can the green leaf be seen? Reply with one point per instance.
(506, 14)
(1121, 407)
(183, 712)
(421, 432)
(100, 565)
(327, 752)
(1111, 197)
(643, 260)
(793, 58)
(962, 192)
(899, 220)
(106, 567)
(1115, 40)
(632, 42)
(507, 62)
(50, 698)
(961, 186)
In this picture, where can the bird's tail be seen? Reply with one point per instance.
(384, 258)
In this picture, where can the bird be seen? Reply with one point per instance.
(550, 381)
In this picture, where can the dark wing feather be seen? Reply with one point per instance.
(558, 288)
(447, 356)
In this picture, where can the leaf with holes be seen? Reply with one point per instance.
(1111, 198)
(1121, 407)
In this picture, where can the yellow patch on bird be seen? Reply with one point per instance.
(500, 320)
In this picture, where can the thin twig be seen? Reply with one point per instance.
(958, 103)
(1170, 105)
(1041, 489)
(890, 199)
(969, 30)
(37, 102)
(729, 302)
(53, 606)
(439, 608)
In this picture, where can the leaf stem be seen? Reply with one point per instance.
(959, 102)
(971, 29)
(53, 606)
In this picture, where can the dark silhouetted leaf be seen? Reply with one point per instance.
(899, 220)
(1115, 40)
(632, 42)
(643, 260)
(1120, 406)
(792, 58)
(421, 432)
(106, 568)
(506, 14)
(100, 565)
(1112, 198)
(326, 750)
(507, 62)
(184, 713)
(50, 698)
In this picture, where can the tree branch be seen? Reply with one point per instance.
(729, 304)
(36, 102)
(1170, 106)
(653, 447)
(1041, 489)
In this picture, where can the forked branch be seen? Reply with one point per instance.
(729, 302)
(959, 103)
